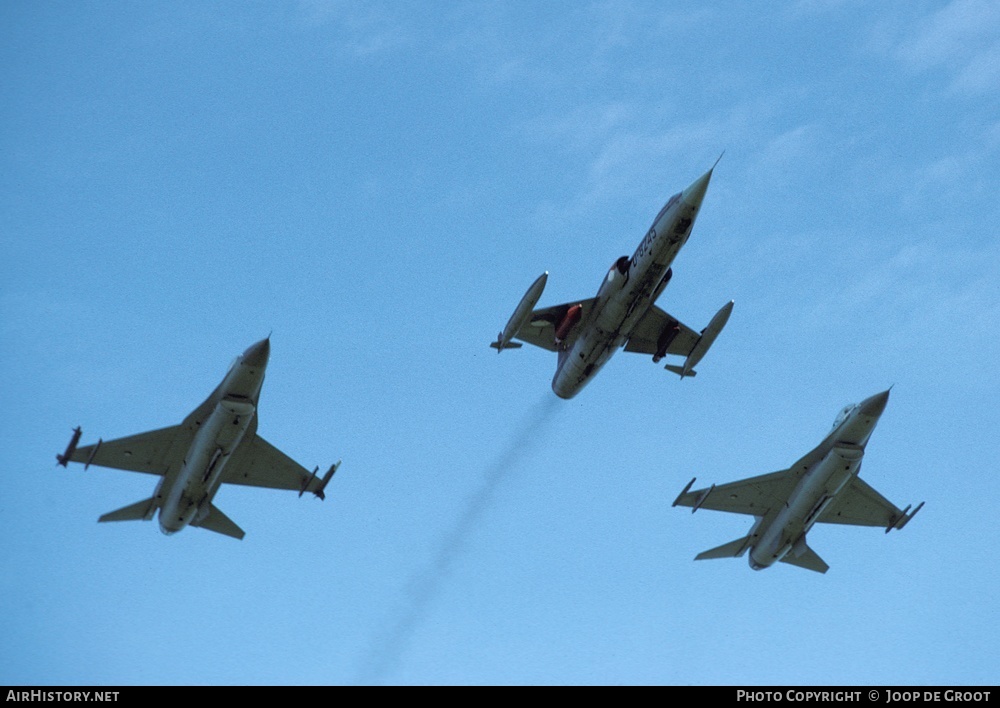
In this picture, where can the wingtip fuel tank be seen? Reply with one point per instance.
(521, 315)
(708, 336)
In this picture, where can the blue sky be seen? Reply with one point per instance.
(377, 183)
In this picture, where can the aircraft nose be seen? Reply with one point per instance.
(257, 354)
(696, 192)
(874, 405)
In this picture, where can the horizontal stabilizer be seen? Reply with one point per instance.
(220, 523)
(140, 511)
(733, 549)
(506, 345)
(807, 559)
(679, 370)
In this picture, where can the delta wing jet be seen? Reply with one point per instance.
(586, 333)
(216, 444)
(823, 487)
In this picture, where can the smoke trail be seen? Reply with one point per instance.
(386, 653)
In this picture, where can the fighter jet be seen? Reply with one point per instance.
(585, 333)
(217, 443)
(823, 487)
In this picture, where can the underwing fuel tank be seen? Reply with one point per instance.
(571, 317)
(521, 315)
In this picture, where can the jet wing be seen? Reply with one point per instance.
(654, 323)
(153, 452)
(540, 329)
(261, 464)
(860, 505)
(145, 452)
(755, 495)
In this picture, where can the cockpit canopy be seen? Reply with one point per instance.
(618, 272)
(670, 202)
(842, 416)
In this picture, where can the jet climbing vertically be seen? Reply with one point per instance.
(822, 487)
(586, 333)
(216, 444)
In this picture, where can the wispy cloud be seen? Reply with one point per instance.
(935, 296)
(962, 38)
(785, 153)
(615, 152)
(960, 177)
(612, 152)
(810, 7)
(364, 29)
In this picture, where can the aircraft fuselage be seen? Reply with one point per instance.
(185, 495)
(819, 486)
(628, 291)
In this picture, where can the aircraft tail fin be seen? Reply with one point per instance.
(804, 557)
(216, 521)
(733, 549)
(140, 511)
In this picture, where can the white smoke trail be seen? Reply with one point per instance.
(387, 651)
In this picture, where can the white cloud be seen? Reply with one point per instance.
(931, 298)
(616, 155)
(785, 152)
(982, 72)
(809, 7)
(364, 29)
(963, 38)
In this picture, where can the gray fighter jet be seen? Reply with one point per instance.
(823, 487)
(585, 333)
(217, 443)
